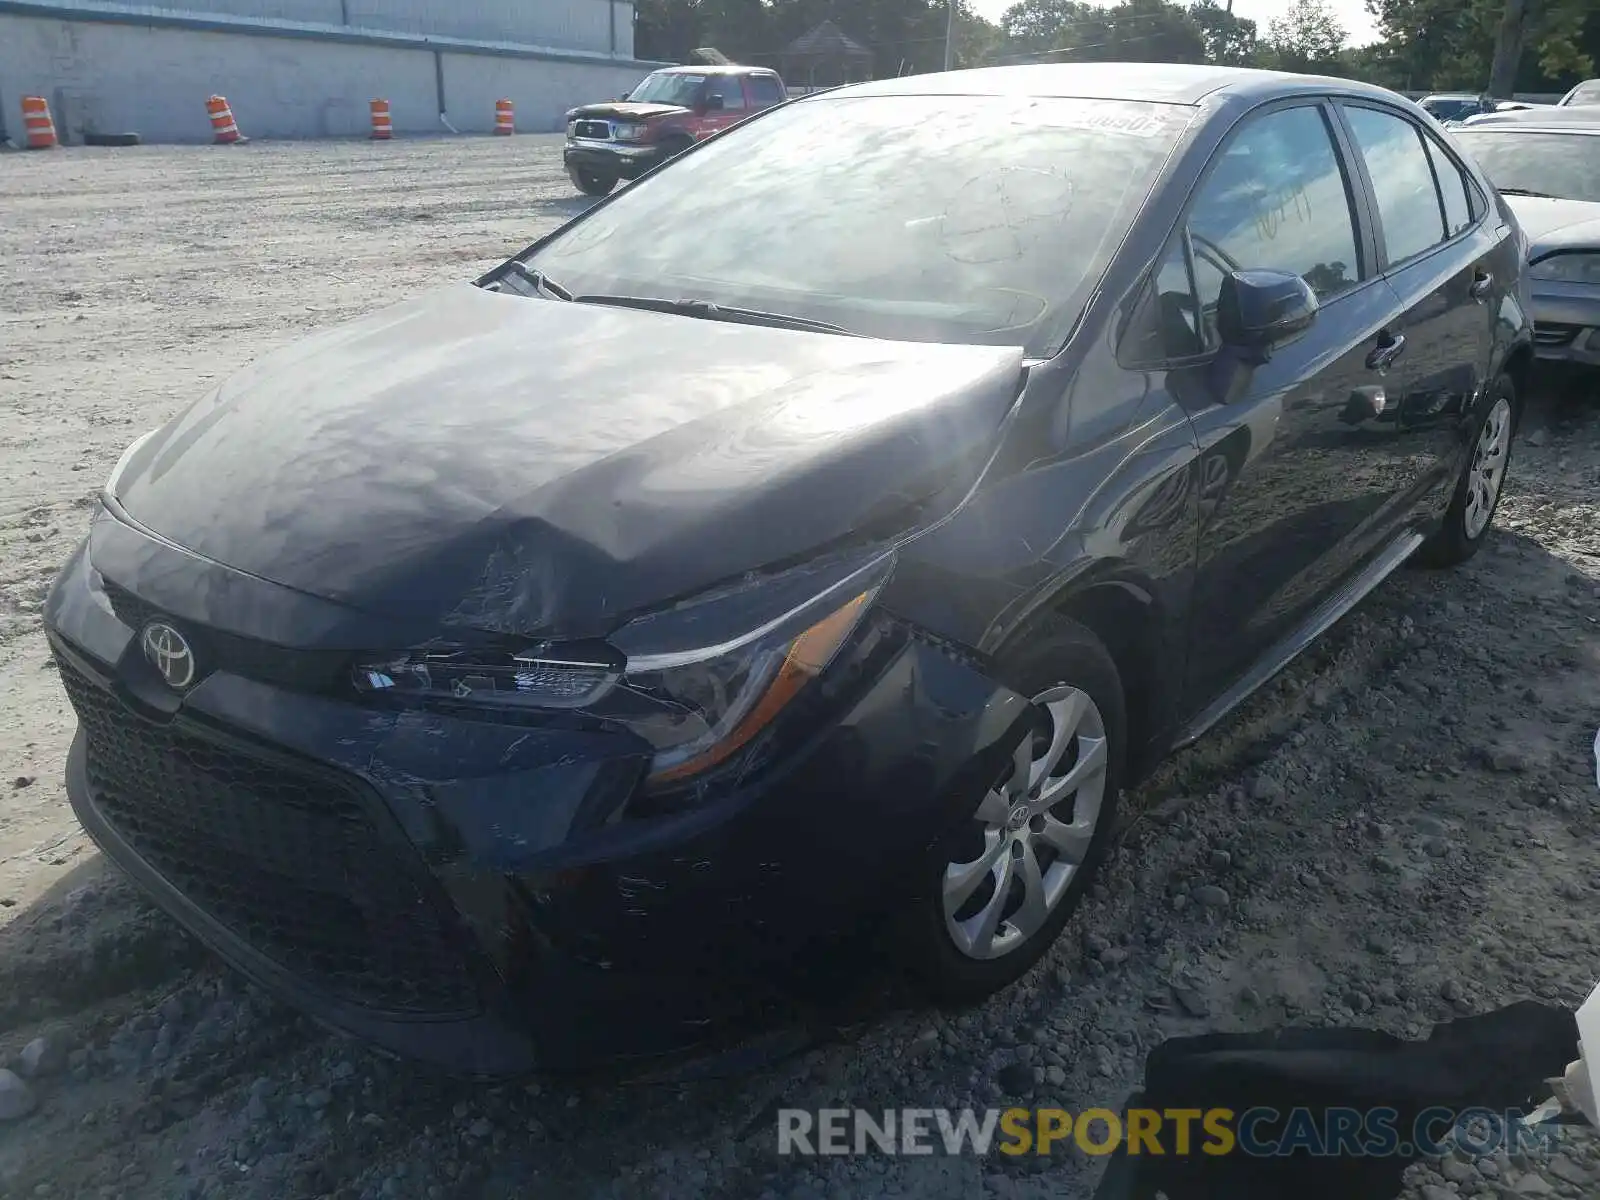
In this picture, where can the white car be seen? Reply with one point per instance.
(1587, 92)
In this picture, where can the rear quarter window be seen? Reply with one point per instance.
(765, 91)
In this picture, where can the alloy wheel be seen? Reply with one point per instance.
(1488, 470)
(1034, 830)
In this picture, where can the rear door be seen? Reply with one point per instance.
(1293, 487)
(1438, 253)
(764, 91)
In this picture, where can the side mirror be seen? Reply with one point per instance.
(715, 103)
(1258, 311)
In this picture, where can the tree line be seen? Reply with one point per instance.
(1425, 45)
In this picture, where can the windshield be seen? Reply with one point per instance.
(973, 219)
(668, 87)
(1584, 93)
(1450, 109)
(1566, 165)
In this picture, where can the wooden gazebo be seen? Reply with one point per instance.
(824, 57)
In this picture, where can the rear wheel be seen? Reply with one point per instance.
(999, 891)
(1477, 494)
(592, 183)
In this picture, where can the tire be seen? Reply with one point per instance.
(1063, 657)
(1471, 515)
(673, 147)
(111, 139)
(592, 183)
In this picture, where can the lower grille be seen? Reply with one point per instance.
(285, 859)
(1550, 333)
(596, 130)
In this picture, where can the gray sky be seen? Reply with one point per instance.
(1352, 14)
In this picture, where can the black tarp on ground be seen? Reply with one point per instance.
(1497, 1061)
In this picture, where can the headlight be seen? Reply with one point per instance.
(127, 456)
(1568, 268)
(572, 129)
(697, 702)
(627, 133)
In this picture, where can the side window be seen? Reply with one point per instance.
(1276, 198)
(1402, 181)
(1453, 188)
(764, 91)
(730, 88)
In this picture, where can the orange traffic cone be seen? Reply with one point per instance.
(382, 125)
(504, 125)
(36, 123)
(224, 130)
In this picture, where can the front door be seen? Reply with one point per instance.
(729, 107)
(1292, 495)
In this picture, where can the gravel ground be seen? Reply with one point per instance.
(1399, 830)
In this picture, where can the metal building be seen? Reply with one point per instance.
(308, 68)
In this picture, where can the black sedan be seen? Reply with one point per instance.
(789, 560)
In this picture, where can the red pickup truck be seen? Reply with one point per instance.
(668, 112)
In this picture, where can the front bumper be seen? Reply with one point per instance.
(610, 159)
(1567, 323)
(470, 892)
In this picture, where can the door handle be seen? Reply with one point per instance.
(1389, 348)
(1482, 281)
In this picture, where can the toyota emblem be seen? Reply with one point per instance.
(169, 653)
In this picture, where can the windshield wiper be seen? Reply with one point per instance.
(1527, 192)
(705, 310)
(539, 281)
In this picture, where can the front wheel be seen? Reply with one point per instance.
(592, 183)
(1477, 494)
(1000, 890)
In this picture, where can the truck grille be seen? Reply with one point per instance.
(286, 859)
(595, 130)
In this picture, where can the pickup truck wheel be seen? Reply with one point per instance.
(673, 147)
(1477, 494)
(592, 183)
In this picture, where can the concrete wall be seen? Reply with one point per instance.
(113, 77)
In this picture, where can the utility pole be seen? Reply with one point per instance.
(1508, 44)
(949, 32)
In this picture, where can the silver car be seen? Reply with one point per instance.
(1549, 173)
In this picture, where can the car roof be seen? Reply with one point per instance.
(1569, 127)
(1452, 96)
(716, 69)
(1169, 83)
(1545, 116)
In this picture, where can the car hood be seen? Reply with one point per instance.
(627, 109)
(537, 467)
(1557, 224)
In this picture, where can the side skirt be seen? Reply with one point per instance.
(1321, 620)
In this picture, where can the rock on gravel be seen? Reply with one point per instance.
(16, 1097)
(41, 1057)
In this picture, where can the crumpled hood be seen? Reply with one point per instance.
(1556, 224)
(539, 467)
(626, 109)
